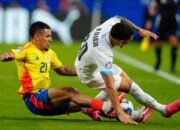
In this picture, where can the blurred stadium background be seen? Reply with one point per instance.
(71, 20)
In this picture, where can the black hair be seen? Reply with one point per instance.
(121, 31)
(37, 27)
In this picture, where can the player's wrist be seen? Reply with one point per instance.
(138, 29)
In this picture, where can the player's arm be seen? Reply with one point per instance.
(65, 70)
(141, 31)
(113, 95)
(7, 56)
(59, 68)
(152, 9)
(132, 25)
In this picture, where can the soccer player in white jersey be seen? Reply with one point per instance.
(95, 67)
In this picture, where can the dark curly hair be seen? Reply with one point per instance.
(121, 31)
(37, 27)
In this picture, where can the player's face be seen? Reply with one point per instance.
(44, 39)
(121, 43)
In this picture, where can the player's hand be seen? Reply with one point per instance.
(124, 118)
(147, 33)
(8, 56)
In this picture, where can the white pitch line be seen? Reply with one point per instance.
(129, 60)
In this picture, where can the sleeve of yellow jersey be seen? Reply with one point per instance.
(19, 54)
(55, 62)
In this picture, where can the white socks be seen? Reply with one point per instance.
(140, 96)
(145, 98)
(102, 95)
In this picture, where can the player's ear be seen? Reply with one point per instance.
(121, 41)
(36, 36)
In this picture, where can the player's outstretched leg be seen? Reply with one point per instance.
(172, 108)
(142, 114)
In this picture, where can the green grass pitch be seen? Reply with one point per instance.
(15, 116)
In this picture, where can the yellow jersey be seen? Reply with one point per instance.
(33, 67)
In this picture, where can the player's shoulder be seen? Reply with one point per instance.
(22, 49)
(27, 46)
(111, 21)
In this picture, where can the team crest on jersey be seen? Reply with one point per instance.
(47, 58)
(36, 58)
(18, 50)
(108, 65)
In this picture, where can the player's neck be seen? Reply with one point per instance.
(111, 40)
(37, 45)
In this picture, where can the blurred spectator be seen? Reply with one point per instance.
(65, 6)
(148, 18)
(1, 22)
(62, 28)
(167, 26)
(41, 4)
(16, 22)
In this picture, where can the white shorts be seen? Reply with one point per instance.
(98, 82)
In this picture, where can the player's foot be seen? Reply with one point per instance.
(172, 108)
(143, 114)
(94, 114)
(121, 97)
(157, 66)
(111, 114)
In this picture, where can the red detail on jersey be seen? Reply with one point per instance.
(26, 81)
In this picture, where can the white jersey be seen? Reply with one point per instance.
(95, 56)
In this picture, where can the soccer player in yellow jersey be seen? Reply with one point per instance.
(33, 61)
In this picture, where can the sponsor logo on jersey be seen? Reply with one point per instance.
(108, 65)
(36, 58)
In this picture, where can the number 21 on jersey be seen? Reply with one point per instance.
(43, 68)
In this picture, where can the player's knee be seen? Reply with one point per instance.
(71, 90)
(125, 84)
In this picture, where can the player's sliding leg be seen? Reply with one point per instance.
(58, 95)
(142, 114)
(97, 106)
(95, 114)
(149, 101)
(102, 95)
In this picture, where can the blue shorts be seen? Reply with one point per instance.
(38, 103)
